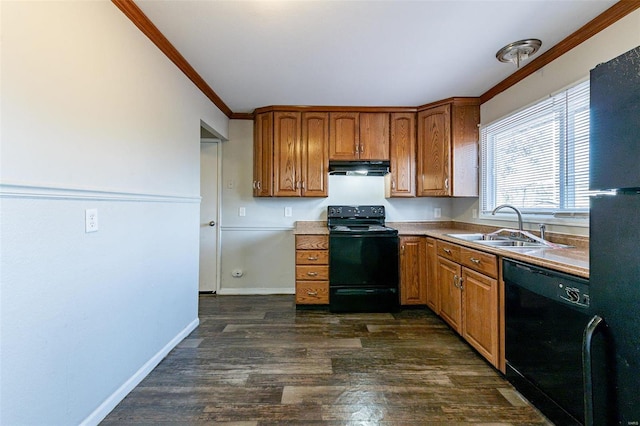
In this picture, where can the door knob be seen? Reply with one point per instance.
(212, 223)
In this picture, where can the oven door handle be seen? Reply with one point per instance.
(587, 337)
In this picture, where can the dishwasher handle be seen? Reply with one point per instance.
(587, 337)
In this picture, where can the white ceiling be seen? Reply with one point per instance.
(357, 53)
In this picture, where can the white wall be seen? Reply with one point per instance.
(566, 70)
(93, 116)
(261, 243)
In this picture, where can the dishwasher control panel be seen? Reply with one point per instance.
(554, 285)
(568, 292)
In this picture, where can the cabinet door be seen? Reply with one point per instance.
(450, 294)
(464, 140)
(480, 308)
(434, 145)
(432, 287)
(403, 155)
(344, 136)
(412, 271)
(315, 154)
(374, 136)
(286, 154)
(263, 155)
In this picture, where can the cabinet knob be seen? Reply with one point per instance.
(312, 293)
(474, 260)
(312, 258)
(312, 274)
(446, 250)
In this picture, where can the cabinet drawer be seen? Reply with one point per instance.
(312, 257)
(312, 272)
(448, 250)
(480, 261)
(312, 242)
(312, 292)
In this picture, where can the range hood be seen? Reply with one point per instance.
(359, 168)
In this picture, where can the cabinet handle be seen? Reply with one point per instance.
(446, 250)
(402, 248)
(312, 293)
(460, 283)
(312, 258)
(302, 183)
(312, 274)
(254, 184)
(455, 281)
(393, 185)
(474, 260)
(259, 183)
(357, 148)
(446, 183)
(361, 148)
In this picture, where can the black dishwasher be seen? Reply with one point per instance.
(546, 313)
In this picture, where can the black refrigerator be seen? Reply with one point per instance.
(613, 364)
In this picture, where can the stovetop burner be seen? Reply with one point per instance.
(357, 219)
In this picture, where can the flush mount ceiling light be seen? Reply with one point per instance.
(518, 51)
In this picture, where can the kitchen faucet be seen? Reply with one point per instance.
(502, 206)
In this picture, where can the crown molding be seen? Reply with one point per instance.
(144, 24)
(588, 30)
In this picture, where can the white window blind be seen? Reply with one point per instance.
(537, 159)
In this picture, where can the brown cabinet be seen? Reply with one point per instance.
(291, 154)
(263, 155)
(359, 136)
(469, 296)
(448, 149)
(401, 182)
(312, 269)
(413, 271)
(433, 293)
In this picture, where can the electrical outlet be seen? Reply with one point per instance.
(288, 211)
(242, 211)
(474, 213)
(437, 212)
(91, 220)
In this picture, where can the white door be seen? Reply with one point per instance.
(209, 215)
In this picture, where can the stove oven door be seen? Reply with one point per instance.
(363, 272)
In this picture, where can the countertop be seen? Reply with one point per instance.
(574, 260)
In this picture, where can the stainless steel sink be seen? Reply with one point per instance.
(478, 237)
(505, 242)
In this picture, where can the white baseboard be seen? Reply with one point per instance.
(114, 399)
(255, 291)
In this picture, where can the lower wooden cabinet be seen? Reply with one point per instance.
(413, 270)
(468, 285)
(312, 269)
(433, 291)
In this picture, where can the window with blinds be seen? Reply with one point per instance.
(537, 159)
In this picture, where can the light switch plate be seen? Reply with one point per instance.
(288, 211)
(242, 211)
(437, 212)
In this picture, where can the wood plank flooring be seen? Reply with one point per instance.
(256, 360)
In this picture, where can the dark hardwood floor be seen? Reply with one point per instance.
(256, 360)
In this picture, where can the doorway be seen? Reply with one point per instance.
(209, 228)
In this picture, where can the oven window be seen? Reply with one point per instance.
(363, 260)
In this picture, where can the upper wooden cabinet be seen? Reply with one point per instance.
(359, 136)
(374, 136)
(291, 154)
(448, 149)
(315, 154)
(402, 179)
(263, 155)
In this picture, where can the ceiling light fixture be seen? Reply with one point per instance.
(518, 51)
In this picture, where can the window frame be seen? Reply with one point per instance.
(578, 217)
